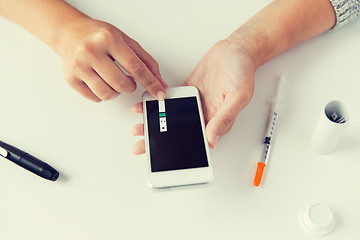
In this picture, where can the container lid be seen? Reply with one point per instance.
(317, 219)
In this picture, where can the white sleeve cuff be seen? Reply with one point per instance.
(346, 11)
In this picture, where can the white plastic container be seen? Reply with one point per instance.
(330, 127)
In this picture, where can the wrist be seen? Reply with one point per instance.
(251, 42)
(282, 25)
(67, 30)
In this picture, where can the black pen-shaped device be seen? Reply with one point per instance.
(28, 162)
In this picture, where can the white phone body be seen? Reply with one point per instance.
(176, 147)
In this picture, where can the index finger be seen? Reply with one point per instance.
(138, 70)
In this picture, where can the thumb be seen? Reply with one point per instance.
(224, 118)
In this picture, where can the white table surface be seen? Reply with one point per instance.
(102, 192)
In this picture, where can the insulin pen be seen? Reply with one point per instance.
(274, 115)
(28, 162)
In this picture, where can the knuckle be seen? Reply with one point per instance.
(136, 44)
(150, 84)
(71, 81)
(88, 46)
(155, 65)
(104, 94)
(130, 88)
(137, 67)
(120, 85)
(105, 35)
(125, 86)
(107, 96)
(76, 64)
(84, 49)
(226, 122)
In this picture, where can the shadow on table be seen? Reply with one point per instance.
(347, 143)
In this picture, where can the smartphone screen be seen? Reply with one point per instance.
(182, 145)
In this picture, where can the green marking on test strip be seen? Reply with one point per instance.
(162, 114)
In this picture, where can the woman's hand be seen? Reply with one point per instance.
(89, 54)
(225, 80)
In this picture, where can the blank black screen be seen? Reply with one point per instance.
(182, 146)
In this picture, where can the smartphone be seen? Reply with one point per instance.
(175, 142)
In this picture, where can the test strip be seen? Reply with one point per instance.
(162, 116)
(161, 106)
(163, 126)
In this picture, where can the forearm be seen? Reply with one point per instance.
(282, 25)
(46, 19)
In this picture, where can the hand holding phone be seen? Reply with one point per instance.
(225, 80)
(175, 143)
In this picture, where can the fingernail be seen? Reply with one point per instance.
(160, 95)
(216, 140)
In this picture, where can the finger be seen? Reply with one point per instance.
(84, 90)
(98, 86)
(138, 130)
(113, 75)
(138, 70)
(148, 60)
(139, 147)
(224, 118)
(138, 108)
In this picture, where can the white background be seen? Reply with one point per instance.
(102, 192)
